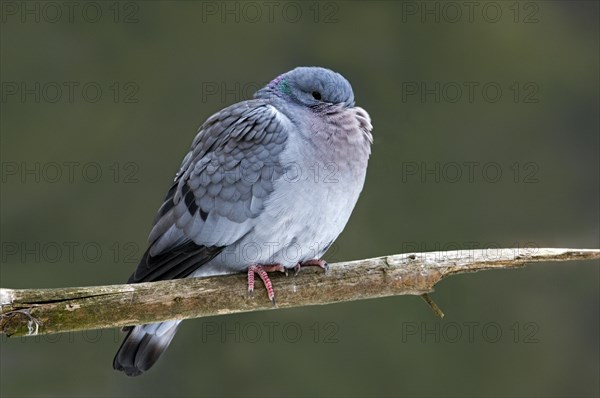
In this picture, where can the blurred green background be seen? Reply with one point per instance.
(84, 171)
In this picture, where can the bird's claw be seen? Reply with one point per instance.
(262, 270)
(312, 263)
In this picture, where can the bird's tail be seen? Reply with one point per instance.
(143, 345)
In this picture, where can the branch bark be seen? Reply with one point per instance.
(43, 311)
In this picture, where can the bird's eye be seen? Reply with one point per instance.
(316, 95)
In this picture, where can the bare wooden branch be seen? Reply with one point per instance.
(42, 311)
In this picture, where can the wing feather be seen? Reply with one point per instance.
(218, 192)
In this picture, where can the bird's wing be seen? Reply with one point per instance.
(219, 191)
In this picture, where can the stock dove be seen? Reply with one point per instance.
(268, 185)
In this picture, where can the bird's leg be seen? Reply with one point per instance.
(262, 270)
(312, 263)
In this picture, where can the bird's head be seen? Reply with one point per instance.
(313, 87)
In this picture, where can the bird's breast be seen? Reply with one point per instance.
(314, 197)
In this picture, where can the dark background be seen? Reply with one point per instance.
(164, 67)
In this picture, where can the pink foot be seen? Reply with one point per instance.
(262, 270)
(312, 263)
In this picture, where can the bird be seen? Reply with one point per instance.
(268, 185)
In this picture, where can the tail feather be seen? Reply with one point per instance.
(143, 345)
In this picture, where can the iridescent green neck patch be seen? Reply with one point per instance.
(284, 87)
